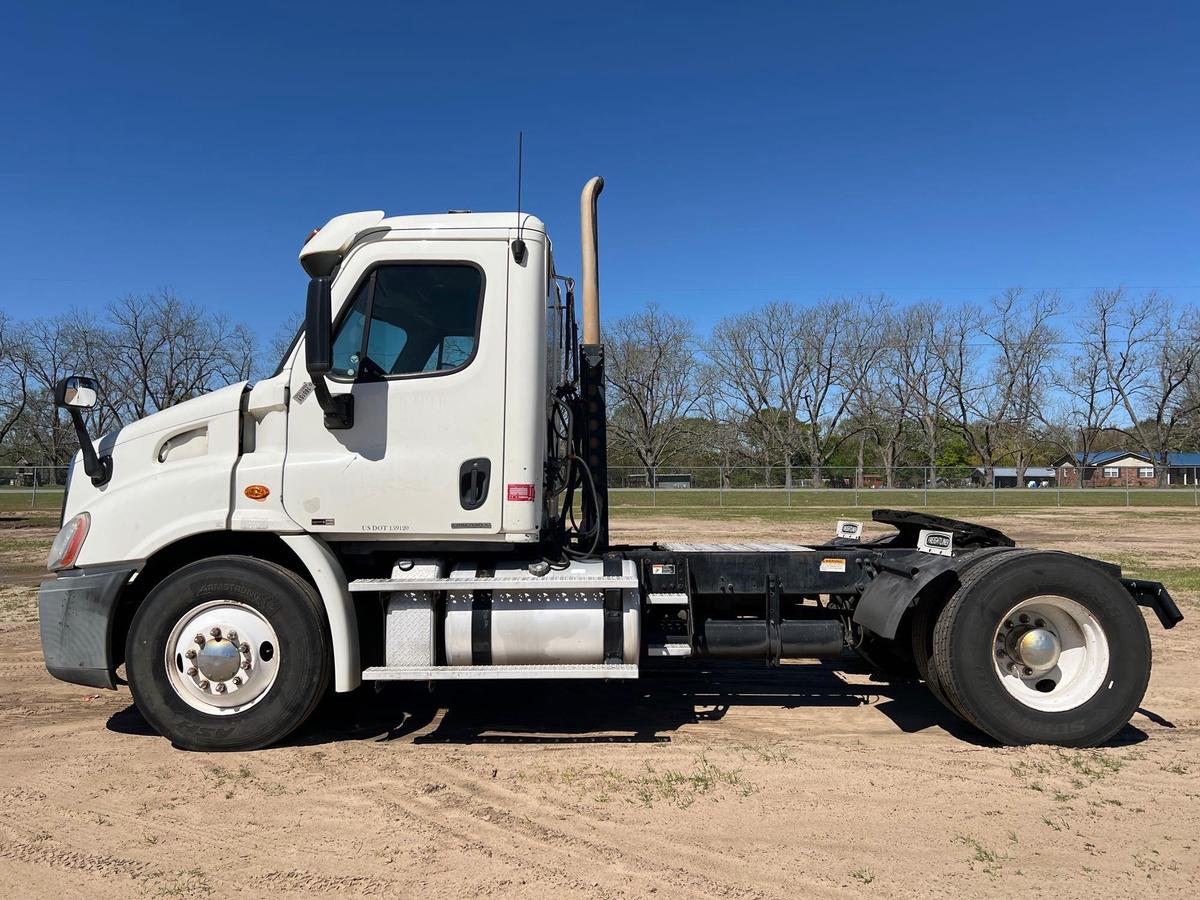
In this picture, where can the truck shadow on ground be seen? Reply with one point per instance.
(648, 710)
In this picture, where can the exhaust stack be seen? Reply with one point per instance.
(591, 277)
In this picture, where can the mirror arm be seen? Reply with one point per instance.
(98, 469)
(338, 408)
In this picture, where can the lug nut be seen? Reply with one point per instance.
(215, 632)
(220, 688)
(1012, 667)
(244, 648)
(199, 639)
(237, 680)
(231, 636)
(1000, 654)
(1040, 623)
(203, 685)
(1024, 618)
(190, 654)
(1008, 624)
(245, 665)
(1028, 671)
(191, 670)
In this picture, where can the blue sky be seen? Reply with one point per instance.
(751, 152)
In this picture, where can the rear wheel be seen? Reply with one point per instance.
(1043, 648)
(229, 653)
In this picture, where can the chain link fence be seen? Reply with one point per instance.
(31, 486)
(737, 487)
(734, 487)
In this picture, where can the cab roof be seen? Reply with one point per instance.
(328, 245)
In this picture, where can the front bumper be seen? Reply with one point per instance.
(76, 611)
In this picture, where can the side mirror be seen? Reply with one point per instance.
(75, 393)
(318, 354)
(318, 327)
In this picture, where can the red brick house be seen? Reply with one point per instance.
(1121, 468)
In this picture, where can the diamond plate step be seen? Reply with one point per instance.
(474, 673)
(667, 599)
(679, 650)
(526, 582)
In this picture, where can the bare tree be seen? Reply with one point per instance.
(165, 351)
(842, 342)
(758, 365)
(14, 389)
(887, 400)
(655, 380)
(1026, 346)
(44, 435)
(1151, 353)
(922, 356)
(999, 385)
(281, 342)
(1087, 400)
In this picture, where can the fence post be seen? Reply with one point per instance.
(927, 487)
(721, 485)
(33, 500)
(992, 469)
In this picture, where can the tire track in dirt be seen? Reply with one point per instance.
(500, 814)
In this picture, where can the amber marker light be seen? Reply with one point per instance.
(257, 492)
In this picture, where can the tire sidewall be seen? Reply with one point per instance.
(978, 684)
(282, 599)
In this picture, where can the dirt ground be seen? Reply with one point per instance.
(809, 781)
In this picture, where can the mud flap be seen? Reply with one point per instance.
(890, 594)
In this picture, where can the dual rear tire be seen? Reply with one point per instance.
(1037, 647)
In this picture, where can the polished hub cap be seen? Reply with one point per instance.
(222, 657)
(219, 660)
(1037, 649)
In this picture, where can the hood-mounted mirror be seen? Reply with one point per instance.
(74, 394)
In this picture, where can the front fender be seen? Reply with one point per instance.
(330, 579)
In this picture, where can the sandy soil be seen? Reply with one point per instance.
(808, 781)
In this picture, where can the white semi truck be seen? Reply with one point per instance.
(420, 493)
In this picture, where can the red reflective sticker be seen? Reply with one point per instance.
(520, 492)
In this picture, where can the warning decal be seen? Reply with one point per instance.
(833, 564)
(520, 492)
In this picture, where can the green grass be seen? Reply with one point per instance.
(23, 500)
(980, 498)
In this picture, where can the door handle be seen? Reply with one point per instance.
(473, 478)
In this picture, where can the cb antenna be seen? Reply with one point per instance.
(518, 246)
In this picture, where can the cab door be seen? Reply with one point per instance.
(419, 341)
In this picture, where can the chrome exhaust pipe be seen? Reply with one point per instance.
(590, 246)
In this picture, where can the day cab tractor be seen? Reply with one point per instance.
(420, 493)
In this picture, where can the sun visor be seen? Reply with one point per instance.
(323, 251)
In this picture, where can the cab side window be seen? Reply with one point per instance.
(419, 318)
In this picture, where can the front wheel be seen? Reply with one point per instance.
(1043, 648)
(229, 653)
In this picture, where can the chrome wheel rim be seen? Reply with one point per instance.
(1051, 653)
(222, 657)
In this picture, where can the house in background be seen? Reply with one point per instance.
(1006, 477)
(1118, 468)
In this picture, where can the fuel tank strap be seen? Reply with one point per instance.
(481, 621)
(614, 632)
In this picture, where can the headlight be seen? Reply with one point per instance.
(69, 541)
